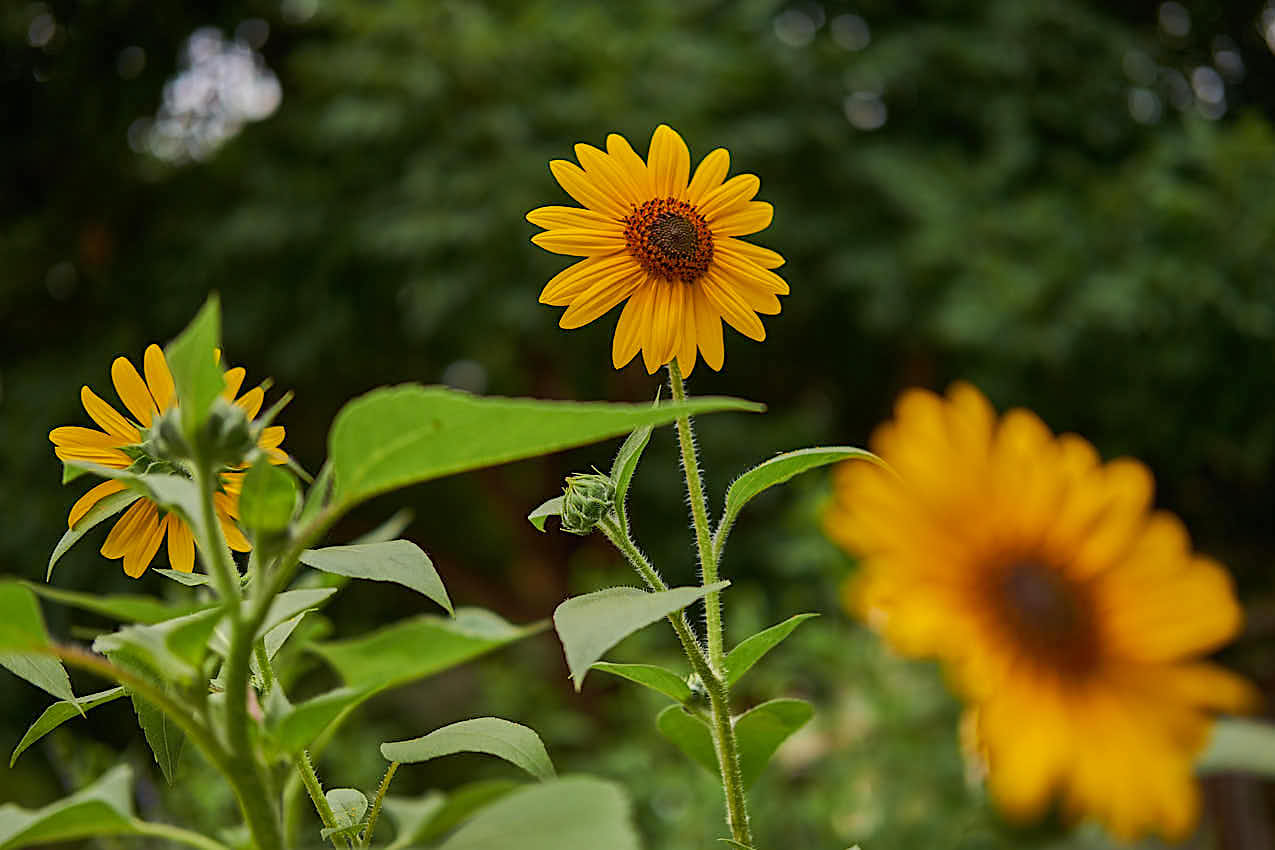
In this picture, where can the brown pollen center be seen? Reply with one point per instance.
(669, 239)
(1048, 614)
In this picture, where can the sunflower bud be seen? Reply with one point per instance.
(166, 441)
(226, 438)
(586, 499)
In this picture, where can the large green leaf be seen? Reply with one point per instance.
(421, 820)
(397, 654)
(399, 561)
(589, 625)
(656, 678)
(395, 436)
(751, 649)
(577, 813)
(191, 357)
(43, 671)
(99, 513)
(122, 607)
(60, 712)
(21, 623)
(103, 808)
(758, 732)
(172, 649)
(268, 499)
(777, 470)
(512, 742)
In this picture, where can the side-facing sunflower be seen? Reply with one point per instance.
(1071, 615)
(665, 240)
(137, 535)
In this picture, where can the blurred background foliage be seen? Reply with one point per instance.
(1067, 202)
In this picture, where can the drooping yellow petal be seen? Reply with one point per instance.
(107, 417)
(575, 279)
(578, 185)
(708, 331)
(669, 163)
(91, 498)
(653, 332)
(181, 545)
(158, 379)
(600, 297)
(686, 350)
(148, 536)
(127, 529)
(628, 330)
(132, 390)
(736, 313)
(234, 380)
(234, 537)
(250, 402)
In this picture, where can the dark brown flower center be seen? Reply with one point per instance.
(669, 239)
(1048, 614)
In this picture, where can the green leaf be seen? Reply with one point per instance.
(691, 735)
(395, 655)
(174, 493)
(43, 671)
(173, 649)
(290, 603)
(395, 436)
(1235, 744)
(70, 473)
(349, 805)
(626, 462)
(759, 732)
(124, 607)
(552, 507)
(751, 649)
(60, 712)
(103, 808)
(399, 561)
(656, 678)
(777, 470)
(102, 511)
(512, 742)
(191, 358)
(269, 498)
(165, 738)
(589, 625)
(577, 813)
(188, 579)
(316, 498)
(420, 821)
(21, 623)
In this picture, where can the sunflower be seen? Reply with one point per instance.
(137, 535)
(1071, 615)
(665, 240)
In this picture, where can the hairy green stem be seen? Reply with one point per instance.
(718, 691)
(305, 768)
(376, 804)
(177, 834)
(699, 515)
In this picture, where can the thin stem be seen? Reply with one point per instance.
(177, 834)
(264, 665)
(699, 515)
(305, 768)
(376, 804)
(213, 549)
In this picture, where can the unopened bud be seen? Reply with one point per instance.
(586, 500)
(227, 438)
(167, 442)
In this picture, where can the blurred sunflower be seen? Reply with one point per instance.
(1071, 615)
(666, 241)
(137, 535)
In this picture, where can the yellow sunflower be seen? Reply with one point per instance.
(665, 240)
(1071, 615)
(137, 535)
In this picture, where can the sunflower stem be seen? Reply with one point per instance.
(366, 840)
(722, 726)
(305, 768)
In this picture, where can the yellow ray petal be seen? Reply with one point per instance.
(599, 298)
(234, 380)
(652, 326)
(669, 162)
(250, 402)
(628, 330)
(763, 257)
(634, 168)
(587, 192)
(126, 531)
(709, 175)
(754, 216)
(686, 350)
(574, 279)
(572, 218)
(731, 308)
(234, 537)
(91, 498)
(708, 331)
(580, 243)
(132, 390)
(158, 378)
(271, 436)
(610, 174)
(107, 417)
(729, 196)
(181, 545)
(75, 437)
(149, 535)
(736, 266)
(105, 457)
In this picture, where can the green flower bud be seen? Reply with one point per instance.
(586, 500)
(226, 438)
(165, 440)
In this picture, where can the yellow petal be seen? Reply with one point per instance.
(106, 457)
(234, 380)
(181, 545)
(572, 218)
(634, 168)
(271, 436)
(628, 330)
(599, 298)
(610, 174)
(731, 308)
(75, 437)
(126, 531)
(234, 537)
(733, 247)
(734, 266)
(132, 390)
(581, 243)
(669, 162)
(574, 279)
(91, 498)
(754, 216)
(729, 196)
(586, 191)
(158, 378)
(676, 319)
(686, 351)
(107, 417)
(653, 327)
(250, 402)
(708, 331)
(709, 175)
(148, 536)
